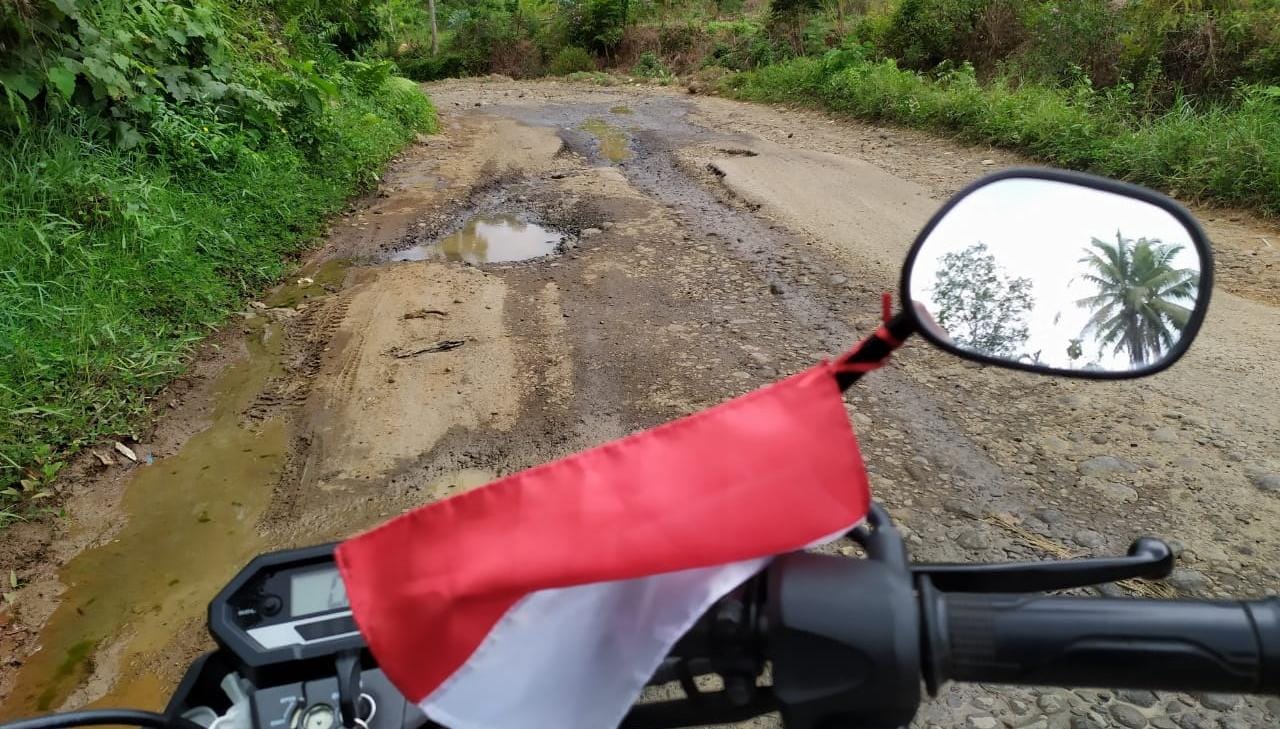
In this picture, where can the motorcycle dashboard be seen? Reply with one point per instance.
(285, 606)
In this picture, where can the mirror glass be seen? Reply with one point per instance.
(1057, 276)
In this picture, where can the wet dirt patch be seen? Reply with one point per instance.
(309, 284)
(489, 238)
(190, 523)
(614, 143)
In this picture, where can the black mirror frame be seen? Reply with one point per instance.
(1081, 179)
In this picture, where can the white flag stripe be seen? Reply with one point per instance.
(577, 657)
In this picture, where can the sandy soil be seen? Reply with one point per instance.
(726, 245)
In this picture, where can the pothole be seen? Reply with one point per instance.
(311, 283)
(614, 145)
(488, 238)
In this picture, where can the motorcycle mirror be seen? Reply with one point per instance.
(1060, 272)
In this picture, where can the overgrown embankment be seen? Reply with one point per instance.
(1224, 150)
(160, 162)
(1176, 95)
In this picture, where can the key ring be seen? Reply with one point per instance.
(373, 711)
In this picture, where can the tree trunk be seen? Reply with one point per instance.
(435, 33)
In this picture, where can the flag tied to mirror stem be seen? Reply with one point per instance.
(549, 597)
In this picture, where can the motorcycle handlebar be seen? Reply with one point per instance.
(850, 639)
(1175, 645)
(847, 641)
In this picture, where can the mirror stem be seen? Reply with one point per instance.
(872, 352)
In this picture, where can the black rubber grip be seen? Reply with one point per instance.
(1177, 645)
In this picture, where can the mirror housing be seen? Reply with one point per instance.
(1063, 269)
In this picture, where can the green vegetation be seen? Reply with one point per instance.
(648, 66)
(161, 160)
(571, 59)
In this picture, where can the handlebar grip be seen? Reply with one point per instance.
(1176, 645)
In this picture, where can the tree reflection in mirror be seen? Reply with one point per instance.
(1057, 275)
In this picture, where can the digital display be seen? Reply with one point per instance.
(317, 591)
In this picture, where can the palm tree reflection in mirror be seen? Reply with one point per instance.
(1142, 302)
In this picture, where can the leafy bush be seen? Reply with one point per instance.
(599, 78)
(146, 195)
(421, 66)
(350, 26)
(1202, 47)
(571, 59)
(1069, 39)
(408, 106)
(650, 67)
(596, 24)
(742, 44)
(119, 60)
(1162, 47)
(787, 19)
(475, 33)
(924, 33)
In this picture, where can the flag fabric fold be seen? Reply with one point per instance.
(548, 598)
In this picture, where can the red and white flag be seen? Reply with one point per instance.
(548, 598)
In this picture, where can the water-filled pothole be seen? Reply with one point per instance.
(614, 144)
(488, 238)
(310, 283)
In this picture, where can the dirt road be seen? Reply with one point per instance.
(706, 247)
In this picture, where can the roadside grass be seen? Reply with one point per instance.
(114, 263)
(1224, 151)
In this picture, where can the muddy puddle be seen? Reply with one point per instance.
(489, 238)
(189, 524)
(614, 145)
(310, 283)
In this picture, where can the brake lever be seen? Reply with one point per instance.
(1148, 557)
(880, 539)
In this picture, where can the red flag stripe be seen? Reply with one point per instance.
(763, 474)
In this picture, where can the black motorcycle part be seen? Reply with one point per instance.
(1170, 645)
(1148, 557)
(844, 642)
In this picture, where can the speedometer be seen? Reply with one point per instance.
(285, 606)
